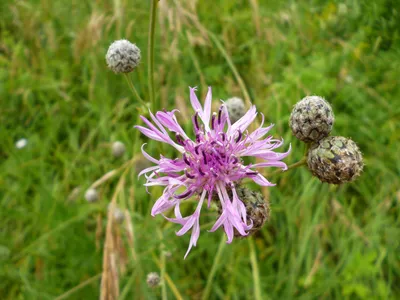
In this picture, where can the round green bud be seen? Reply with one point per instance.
(311, 119)
(335, 159)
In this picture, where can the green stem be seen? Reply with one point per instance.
(150, 58)
(300, 163)
(232, 66)
(254, 267)
(217, 258)
(162, 267)
(133, 89)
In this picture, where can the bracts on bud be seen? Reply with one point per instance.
(257, 208)
(123, 56)
(153, 280)
(311, 119)
(236, 109)
(335, 160)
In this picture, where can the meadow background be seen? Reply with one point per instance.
(322, 242)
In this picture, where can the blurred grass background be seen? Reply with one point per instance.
(323, 242)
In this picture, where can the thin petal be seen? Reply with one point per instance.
(207, 106)
(261, 180)
(195, 102)
(145, 154)
(275, 163)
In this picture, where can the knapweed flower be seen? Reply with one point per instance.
(210, 164)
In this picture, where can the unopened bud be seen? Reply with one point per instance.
(236, 109)
(257, 208)
(311, 119)
(123, 56)
(335, 159)
(118, 214)
(153, 279)
(118, 149)
(91, 195)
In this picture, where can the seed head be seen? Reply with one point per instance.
(123, 56)
(118, 149)
(91, 195)
(335, 159)
(153, 279)
(311, 119)
(236, 109)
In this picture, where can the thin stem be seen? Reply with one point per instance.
(78, 287)
(134, 91)
(232, 66)
(162, 267)
(300, 163)
(217, 258)
(150, 58)
(170, 283)
(254, 267)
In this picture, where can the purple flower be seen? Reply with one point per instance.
(211, 164)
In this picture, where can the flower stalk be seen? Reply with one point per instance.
(150, 58)
(134, 91)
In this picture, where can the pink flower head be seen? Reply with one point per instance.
(211, 164)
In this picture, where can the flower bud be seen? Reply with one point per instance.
(118, 214)
(236, 109)
(153, 279)
(311, 119)
(123, 56)
(257, 208)
(21, 143)
(118, 149)
(335, 159)
(91, 195)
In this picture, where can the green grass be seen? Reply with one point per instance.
(323, 242)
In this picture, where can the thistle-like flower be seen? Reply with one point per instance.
(210, 164)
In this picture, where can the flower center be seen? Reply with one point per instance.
(210, 159)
